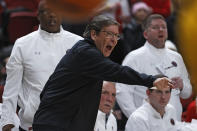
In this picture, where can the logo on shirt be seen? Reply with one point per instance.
(172, 121)
(173, 64)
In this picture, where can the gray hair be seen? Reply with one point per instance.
(97, 23)
(149, 20)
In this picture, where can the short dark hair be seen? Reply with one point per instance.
(150, 18)
(97, 23)
(151, 90)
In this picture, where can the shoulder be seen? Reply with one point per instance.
(171, 111)
(170, 107)
(174, 53)
(24, 42)
(86, 48)
(135, 55)
(27, 37)
(138, 119)
(138, 52)
(71, 35)
(176, 56)
(140, 114)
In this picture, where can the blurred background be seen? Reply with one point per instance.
(19, 17)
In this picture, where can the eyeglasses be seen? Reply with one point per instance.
(158, 27)
(109, 34)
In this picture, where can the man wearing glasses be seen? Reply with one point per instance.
(70, 98)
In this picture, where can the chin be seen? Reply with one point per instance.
(163, 105)
(106, 55)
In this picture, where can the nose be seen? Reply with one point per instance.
(52, 14)
(162, 28)
(110, 98)
(114, 40)
(163, 95)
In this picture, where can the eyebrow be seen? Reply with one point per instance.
(162, 91)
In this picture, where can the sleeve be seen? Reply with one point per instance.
(125, 98)
(94, 64)
(76, 38)
(135, 123)
(14, 71)
(187, 88)
(165, 11)
(125, 92)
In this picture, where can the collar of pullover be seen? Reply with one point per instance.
(47, 35)
(153, 112)
(155, 50)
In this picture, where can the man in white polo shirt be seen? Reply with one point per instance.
(105, 120)
(155, 113)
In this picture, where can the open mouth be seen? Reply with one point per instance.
(163, 102)
(160, 36)
(109, 47)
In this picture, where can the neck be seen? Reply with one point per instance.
(50, 31)
(139, 22)
(161, 112)
(156, 44)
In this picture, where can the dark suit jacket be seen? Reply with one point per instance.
(71, 97)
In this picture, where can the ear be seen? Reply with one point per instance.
(147, 92)
(38, 15)
(145, 34)
(93, 34)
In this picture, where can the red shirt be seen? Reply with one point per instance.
(1, 93)
(160, 7)
(191, 112)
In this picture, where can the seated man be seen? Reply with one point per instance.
(155, 113)
(105, 120)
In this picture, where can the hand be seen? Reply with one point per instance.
(7, 127)
(164, 82)
(178, 83)
(117, 114)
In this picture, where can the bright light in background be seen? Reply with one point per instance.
(187, 37)
(76, 11)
